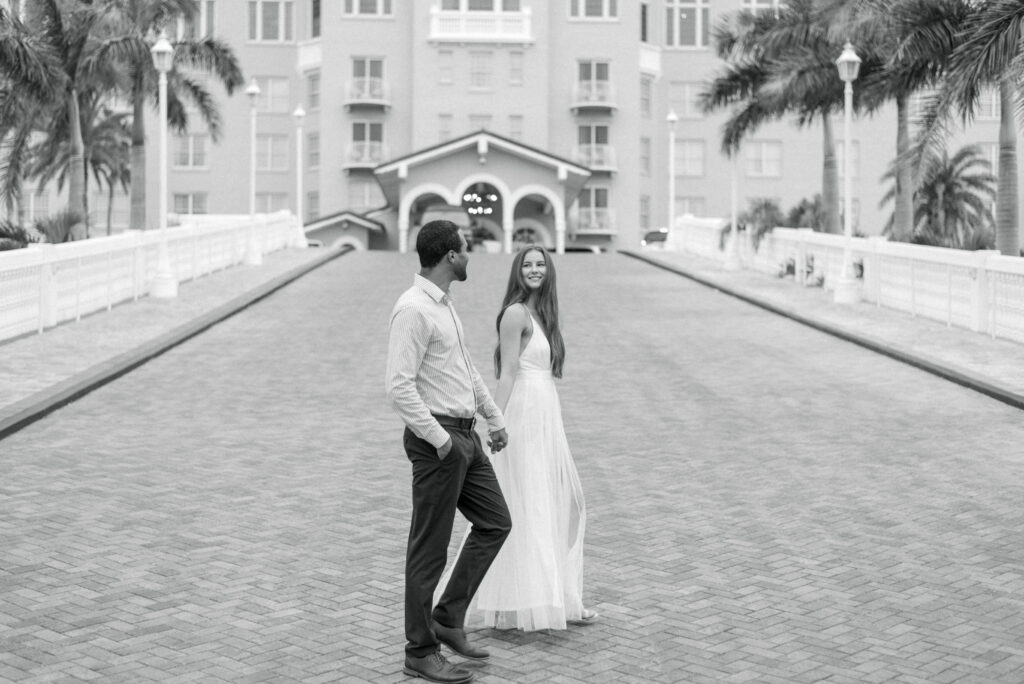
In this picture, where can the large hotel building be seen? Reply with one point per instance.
(543, 120)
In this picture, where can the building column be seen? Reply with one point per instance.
(507, 223)
(403, 231)
(559, 230)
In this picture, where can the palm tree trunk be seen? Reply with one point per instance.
(110, 205)
(903, 212)
(1007, 230)
(76, 168)
(829, 179)
(138, 219)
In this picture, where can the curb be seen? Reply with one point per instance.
(945, 371)
(43, 402)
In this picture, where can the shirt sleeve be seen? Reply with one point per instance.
(408, 336)
(485, 402)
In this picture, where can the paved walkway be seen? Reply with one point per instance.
(767, 503)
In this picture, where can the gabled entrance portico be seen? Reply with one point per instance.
(510, 191)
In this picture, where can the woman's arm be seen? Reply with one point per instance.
(510, 337)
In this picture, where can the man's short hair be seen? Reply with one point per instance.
(435, 240)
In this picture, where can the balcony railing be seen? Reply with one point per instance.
(371, 92)
(595, 221)
(481, 27)
(591, 95)
(365, 155)
(596, 157)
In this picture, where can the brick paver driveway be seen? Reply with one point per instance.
(766, 503)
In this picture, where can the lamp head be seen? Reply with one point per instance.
(253, 91)
(163, 53)
(672, 118)
(848, 64)
(299, 115)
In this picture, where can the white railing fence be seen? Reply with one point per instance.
(44, 285)
(981, 291)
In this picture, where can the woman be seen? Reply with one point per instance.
(536, 581)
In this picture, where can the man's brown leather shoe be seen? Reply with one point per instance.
(434, 668)
(455, 639)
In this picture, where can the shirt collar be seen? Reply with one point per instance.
(435, 293)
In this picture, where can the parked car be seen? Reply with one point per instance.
(654, 238)
(588, 249)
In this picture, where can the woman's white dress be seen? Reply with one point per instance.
(536, 581)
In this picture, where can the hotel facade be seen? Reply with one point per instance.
(526, 120)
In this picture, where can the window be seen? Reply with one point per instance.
(840, 156)
(515, 68)
(314, 19)
(479, 121)
(480, 69)
(689, 158)
(313, 90)
(759, 6)
(273, 95)
(269, 202)
(990, 152)
(313, 150)
(593, 209)
(592, 140)
(367, 141)
(646, 96)
(988, 104)
(190, 203)
(593, 134)
(270, 20)
(272, 152)
(200, 25)
(593, 9)
(684, 99)
(312, 205)
(444, 127)
(645, 156)
(190, 151)
(368, 7)
(515, 126)
(594, 198)
(645, 212)
(445, 66)
(480, 5)
(593, 81)
(687, 23)
(368, 78)
(693, 206)
(643, 22)
(764, 158)
(364, 194)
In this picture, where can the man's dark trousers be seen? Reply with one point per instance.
(465, 481)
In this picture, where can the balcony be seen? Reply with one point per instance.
(596, 157)
(514, 28)
(595, 221)
(372, 93)
(593, 97)
(364, 155)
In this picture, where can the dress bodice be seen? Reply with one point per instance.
(537, 354)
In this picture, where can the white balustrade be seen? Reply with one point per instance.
(981, 291)
(43, 285)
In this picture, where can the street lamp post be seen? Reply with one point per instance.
(672, 118)
(253, 255)
(300, 233)
(846, 291)
(165, 284)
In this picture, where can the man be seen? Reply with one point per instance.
(434, 387)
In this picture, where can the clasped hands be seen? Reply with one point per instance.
(497, 440)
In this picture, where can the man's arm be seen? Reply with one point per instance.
(408, 336)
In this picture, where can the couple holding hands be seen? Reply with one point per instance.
(520, 565)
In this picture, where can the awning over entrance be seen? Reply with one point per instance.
(521, 177)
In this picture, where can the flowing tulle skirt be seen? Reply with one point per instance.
(536, 581)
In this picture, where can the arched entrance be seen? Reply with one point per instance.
(483, 204)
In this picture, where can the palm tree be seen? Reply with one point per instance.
(914, 38)
(44, 64)
(777, 66)
(953, 201)
(137, 22)
(989, 53)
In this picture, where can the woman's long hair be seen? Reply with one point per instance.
(517, 292)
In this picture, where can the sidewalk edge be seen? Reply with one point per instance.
(26, 411)
(946, 371)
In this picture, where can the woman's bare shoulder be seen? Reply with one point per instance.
(516, 317)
